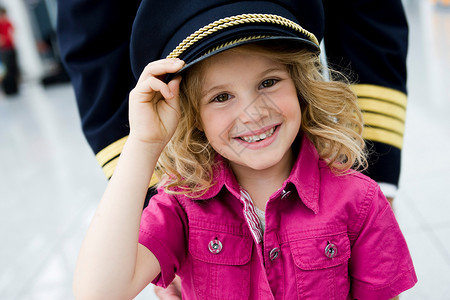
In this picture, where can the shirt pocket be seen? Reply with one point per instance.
(321, 265)
(221, 263)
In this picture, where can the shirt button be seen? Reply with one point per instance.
(284, 194)
(274, 253)
(215, 246)
(330, 250)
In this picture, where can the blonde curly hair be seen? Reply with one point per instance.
(330, 118)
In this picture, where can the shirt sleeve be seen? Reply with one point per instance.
(380, 265)
(163, 232)
(94, 40)
(367, 40)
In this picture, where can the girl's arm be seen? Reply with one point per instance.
(111, 263)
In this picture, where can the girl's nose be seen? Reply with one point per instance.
(255, 108)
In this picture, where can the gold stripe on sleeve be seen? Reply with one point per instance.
(109, 168)
(109, 156)
(110, 151)
(383, 136)
(384, 122)
(154, 180)
(379, 92)
(382, 107)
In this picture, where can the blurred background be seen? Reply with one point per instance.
(50, 182)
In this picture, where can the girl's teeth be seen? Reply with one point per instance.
(255, 138)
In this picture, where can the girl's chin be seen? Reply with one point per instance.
(257, 163)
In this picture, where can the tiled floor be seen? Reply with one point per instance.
(50, 182)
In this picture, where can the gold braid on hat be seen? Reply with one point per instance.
(238, 20)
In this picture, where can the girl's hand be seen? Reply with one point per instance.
(154, 108)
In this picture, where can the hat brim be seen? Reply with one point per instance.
(292, 42)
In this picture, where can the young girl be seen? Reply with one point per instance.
(257, 199)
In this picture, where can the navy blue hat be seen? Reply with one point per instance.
(194, 30)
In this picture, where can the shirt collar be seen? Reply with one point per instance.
(223, 176)
(304, 176)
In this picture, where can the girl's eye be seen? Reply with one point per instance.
(268, 83)
(221, 98)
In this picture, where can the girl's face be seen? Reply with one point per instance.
(249, 110)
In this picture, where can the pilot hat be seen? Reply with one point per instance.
(195, 30)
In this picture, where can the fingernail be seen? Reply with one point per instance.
(178, 62)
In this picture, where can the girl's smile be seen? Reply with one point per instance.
(259, 140)
(249, 110)
(258, 136)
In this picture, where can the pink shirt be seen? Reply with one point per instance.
(326, 237)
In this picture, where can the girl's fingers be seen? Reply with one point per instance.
(153, 84)
(174, 85)
(149, 82)
(154, 104)
(161, 67)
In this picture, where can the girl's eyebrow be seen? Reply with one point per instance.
(216, 87)
(274, 69)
